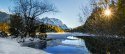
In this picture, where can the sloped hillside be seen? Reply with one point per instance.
(54, 21)
(4, 17)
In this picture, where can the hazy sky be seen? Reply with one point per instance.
(68, 10)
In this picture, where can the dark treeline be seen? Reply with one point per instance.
(99, 23)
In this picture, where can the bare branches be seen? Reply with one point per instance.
(85, 11)
(29, 10)
(33, 8)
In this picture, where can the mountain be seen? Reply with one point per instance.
(53, 21)
(4, 17)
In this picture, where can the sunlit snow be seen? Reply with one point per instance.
(12, 47)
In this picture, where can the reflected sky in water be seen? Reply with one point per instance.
(69, 45)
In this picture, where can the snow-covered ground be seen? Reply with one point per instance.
(8, 46)
(66, 34)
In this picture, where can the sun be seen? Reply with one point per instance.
(107, 12)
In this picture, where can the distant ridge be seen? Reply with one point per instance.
(53, 21)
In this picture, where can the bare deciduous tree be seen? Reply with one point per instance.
(29, 10)
(86, 10)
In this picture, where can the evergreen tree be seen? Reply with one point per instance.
(16, 25)
(98, 23)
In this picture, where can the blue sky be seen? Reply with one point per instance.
(68, 10)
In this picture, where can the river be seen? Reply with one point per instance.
(65, 44)
(79, 43)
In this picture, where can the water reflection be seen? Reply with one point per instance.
(66, 44)
(105, 45)
(69, 45)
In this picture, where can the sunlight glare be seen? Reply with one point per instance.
(107, 12)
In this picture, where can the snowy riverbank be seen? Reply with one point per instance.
(8, 46)
(66, 34)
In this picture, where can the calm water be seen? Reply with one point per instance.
(60, 44)
(68, 43)
(65, 44)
